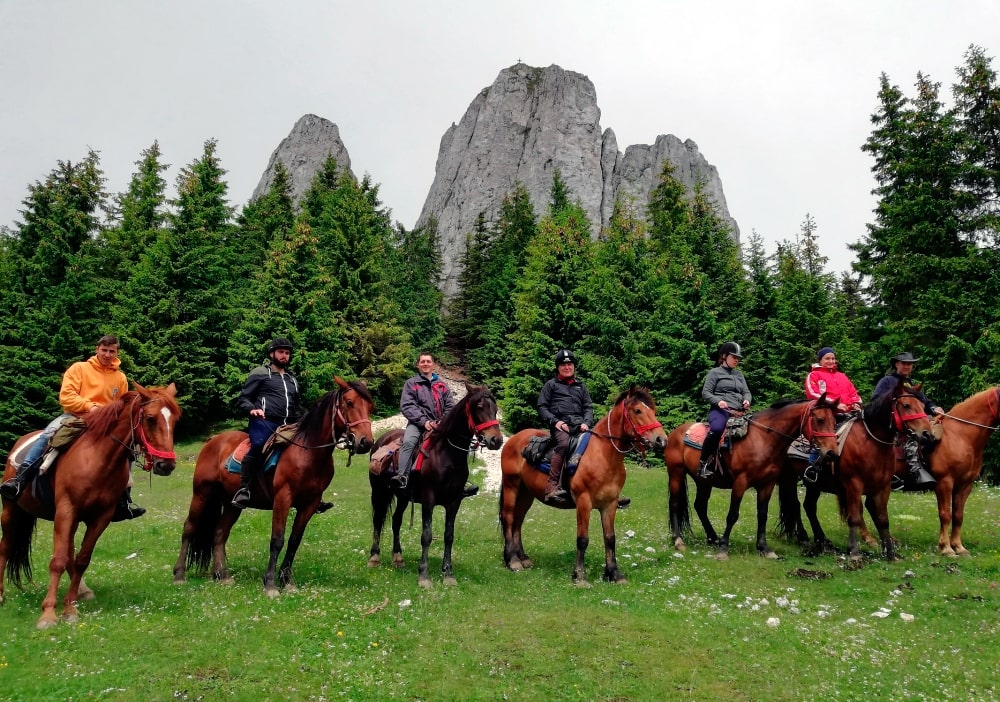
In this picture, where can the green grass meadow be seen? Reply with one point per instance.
(685, 627)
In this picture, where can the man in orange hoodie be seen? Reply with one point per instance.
(86, 385)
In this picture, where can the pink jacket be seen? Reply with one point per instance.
(837, 385)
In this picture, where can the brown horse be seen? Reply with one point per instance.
(865, 467)
(305, 469)
(596, 484)
(440, 479)
(957, 461)
(86, 481)
(754, 461)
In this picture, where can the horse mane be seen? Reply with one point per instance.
(101, 420)
(640, 393)
(311, 425)
(880, 406)
(784, 402)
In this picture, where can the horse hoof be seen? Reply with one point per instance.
(962, 551)
(770, 555)
(291, 588)
(527, 563)
(425, 583)
(71, 617)
(47, 621)
(229, 580)
(516, 566)
(582, 584)
(616, 578)
(271, 592)
(398, 563)
(374, 562)
(450, 581)
(180, 580)
(722, 556)
(679, 545)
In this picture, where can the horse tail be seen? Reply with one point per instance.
(788, 504)
(19, 532)
(199, 556)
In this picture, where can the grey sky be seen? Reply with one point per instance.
(777, 95)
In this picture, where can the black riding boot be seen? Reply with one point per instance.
(12, 489)
(708, 450)
(470, 490)
(554, 491)
(919, 477)
(402, 476)
(125, 509)
(248, 471)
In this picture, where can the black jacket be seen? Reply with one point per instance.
(567, 401)
(275, 393)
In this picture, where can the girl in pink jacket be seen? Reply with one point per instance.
(825, 377)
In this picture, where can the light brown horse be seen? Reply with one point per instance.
(596, 484)
(755, 461)
(305, 469)
(86, 481)
(957, 461)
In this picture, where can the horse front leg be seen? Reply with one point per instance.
(220, 563)
(584, 507)
(302, 518)
(279, 520)
(450, 512)
(381, 498)
(611, 572)
(878, 508)
(733, 516)
(397, 526)
(958, 500)
(852, 506)
(63, 533)
(701, 497)
(79, 566)
(763, 502)
(426, 534)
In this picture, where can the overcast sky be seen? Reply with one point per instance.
(777, 95)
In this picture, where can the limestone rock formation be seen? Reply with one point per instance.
(524, 126)
(303, 153)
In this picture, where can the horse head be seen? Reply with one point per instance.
(352, 416)
(902, 410)
(481, 412)
(639, 421)
(819, 425)
(154, 421)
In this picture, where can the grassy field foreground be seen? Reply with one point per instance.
(684, 626)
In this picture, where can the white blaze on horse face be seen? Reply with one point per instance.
(165, 411)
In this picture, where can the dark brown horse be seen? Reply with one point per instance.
(754, 461)
(957, 461)
(341, 418)
(631, 424)
(438, 479)
(864, 468)
(86, 481)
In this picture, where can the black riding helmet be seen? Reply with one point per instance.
(730, 347)
(279, 342)
(565, 356)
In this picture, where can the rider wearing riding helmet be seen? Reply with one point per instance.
(726, 390)
(270, 397)
(901, 366)
(564, 405)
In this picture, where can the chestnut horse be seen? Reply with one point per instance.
(755, 461)
(865, 467)
(439, 480)
(596, 484)
(305, 469)
(87, 480)
(957, 461)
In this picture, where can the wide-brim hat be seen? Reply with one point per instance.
(904, 357)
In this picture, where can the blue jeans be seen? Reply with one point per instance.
(36, 450)
(260, 431)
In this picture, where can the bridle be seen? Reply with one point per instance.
(146, 447)
(343, 438)
(897, 421)
(635, 438)
(478, 438)
(806, 424)
(994, 410)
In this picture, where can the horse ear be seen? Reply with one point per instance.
(340, 382)
(171, 390)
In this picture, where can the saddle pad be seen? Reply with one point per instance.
(382, 456)
(695, 435)
(234, 464)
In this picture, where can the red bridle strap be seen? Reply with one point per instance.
(900, 420)
(476, 428)
(807, 422)
(150, 450)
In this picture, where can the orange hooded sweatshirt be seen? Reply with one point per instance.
(88, 384)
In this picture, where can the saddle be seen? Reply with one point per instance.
(385, 457)
(234, 464)
(736, 429)
(538, 452)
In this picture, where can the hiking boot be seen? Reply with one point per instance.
(248, 469)
(705, 470)
(624, 502)
(470, 490)
(11, 489)
(398, 481)
(323, 507)
(125, 509)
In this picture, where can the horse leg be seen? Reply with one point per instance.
(584, 506)
(701, 498)
(447, 573)
(279, 521)
(381, 497)
(64, 531)
(878, 508)
(677, 505)
(733, 516)
(426, 534)
(80, 565)
(763, 501)
(958, 500)
(220, 563)
(299, 525)
(187, 535)
(789, 507)
(515, 501)
(820, 541)
(397, 526)
(84, 592)
(611, 571)
(524, 502)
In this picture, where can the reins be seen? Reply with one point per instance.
(638, 431)
(994, 410)
(897, 420)
(342, 440)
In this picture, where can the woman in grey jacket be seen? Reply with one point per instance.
(725, 389)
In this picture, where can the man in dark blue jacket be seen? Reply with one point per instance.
(271, 398)
(564, 405)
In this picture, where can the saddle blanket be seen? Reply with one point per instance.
(234, 464)
(572, 459)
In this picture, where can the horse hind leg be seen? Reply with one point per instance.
(447, 570)
(380, 499)
(397, 526)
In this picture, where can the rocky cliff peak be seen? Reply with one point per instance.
(303, 152)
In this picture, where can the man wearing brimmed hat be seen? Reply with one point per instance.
(901, 366)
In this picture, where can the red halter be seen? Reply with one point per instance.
(900, 420)
(147, 448)
(477, 428)
(807, 423)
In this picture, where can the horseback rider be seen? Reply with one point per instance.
(726, 390)
(270, 397)
(900, 367)
(826, 377)
(424, 401)
(564, 405)
(86, 385)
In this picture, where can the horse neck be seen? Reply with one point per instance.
(611, 428)
(983, 410)
(119, 438)
(787, 422)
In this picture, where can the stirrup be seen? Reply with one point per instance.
(470, 490)
(553, 496)
(705, 471)
(399, 480)
(12, 489)
(811, 473)
(241, 500)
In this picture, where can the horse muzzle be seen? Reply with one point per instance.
(360, 444)
(657, 444)
(493, 442)
(164, 466)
